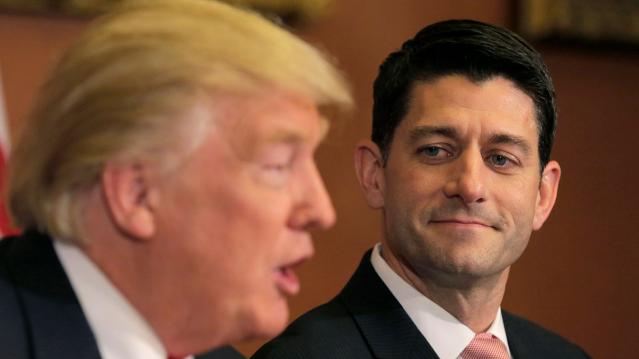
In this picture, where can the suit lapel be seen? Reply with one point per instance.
(517, 343)
(57, 325)
(384, 324)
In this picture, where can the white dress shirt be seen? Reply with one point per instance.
(120, 331)
(446, 335)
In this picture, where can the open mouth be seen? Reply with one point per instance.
(286, 279)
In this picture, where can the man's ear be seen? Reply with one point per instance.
(129, 197)
(547, 193)
(370, 172)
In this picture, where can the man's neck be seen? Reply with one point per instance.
(473, 301)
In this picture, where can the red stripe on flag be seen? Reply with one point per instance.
(5, 224)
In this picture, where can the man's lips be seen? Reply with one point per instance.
(462, 222)
(286, 279)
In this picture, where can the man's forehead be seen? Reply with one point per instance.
(259, 119)
(285, 126)
(290, 132)
(448, 95)
(302, 138)
(443, 88)
(449, 105)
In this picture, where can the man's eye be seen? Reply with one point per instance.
(275, 174)
(277, 159)
(433, 151)
(499, 160)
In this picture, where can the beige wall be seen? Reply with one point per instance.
(579, 275)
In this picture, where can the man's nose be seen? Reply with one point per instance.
(467, 177)
(314, 209)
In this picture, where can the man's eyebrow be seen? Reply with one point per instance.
(420, 132)
(508, 139)
(286, 136)
(295, 135)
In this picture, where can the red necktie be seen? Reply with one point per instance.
(485, 346)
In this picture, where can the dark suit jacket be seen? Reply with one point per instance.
(366, 321)
(40, 316)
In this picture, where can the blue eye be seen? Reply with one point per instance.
(431, 150)
(434, 154)
(499, 160)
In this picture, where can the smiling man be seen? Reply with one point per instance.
(166, 185)
(459, 163)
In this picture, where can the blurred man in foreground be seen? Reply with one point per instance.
(166, 186)
(459, 163)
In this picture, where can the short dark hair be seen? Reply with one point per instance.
(470, 48)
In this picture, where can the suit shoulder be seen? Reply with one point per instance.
(8, 291)
(524, 335)
(327, 331)
(13, 339)
(5, 245)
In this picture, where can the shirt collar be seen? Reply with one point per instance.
(119, 329)
(447, 336)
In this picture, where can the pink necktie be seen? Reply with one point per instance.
(485, 346)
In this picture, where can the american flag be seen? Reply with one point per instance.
(5, 147)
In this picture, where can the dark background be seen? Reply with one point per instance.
(579, 276)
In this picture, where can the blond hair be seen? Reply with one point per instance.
(119, 90)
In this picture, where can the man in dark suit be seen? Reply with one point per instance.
(39, 308)
(140, 181)
(459, 163)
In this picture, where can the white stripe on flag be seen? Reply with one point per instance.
(5, 139)
(5, 227)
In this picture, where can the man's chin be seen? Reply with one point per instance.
(471, 271)
(267, 322)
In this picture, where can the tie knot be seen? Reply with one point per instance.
(485, 336)
(485, 346)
